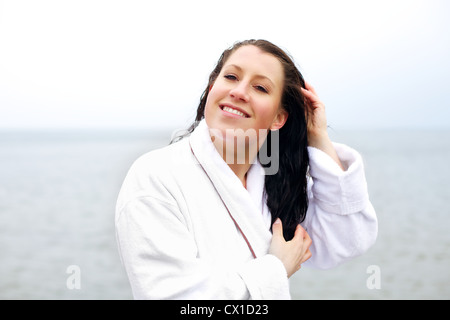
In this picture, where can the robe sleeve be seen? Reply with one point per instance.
(340, 220)
(161, 259)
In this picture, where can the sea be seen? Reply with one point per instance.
(58, 190)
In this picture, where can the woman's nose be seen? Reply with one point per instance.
(240, 92)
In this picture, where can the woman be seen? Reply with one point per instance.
(209, 217)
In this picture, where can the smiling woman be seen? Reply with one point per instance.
(248, 90)
(247, 96)
(194, 221)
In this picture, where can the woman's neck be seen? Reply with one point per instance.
(240, 170)
(238, 159)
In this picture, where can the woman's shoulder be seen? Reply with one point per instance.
(153, 173)
(161, 159)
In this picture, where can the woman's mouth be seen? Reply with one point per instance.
(234, 111)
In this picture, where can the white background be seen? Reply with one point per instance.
(144, 64)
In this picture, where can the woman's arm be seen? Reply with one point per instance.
(341, 221)
(162, 261)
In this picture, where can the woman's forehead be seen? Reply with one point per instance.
(251, 59)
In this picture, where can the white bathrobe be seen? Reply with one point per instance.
(188, 229)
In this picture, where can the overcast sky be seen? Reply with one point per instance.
(144, 64)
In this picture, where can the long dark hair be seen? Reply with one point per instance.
(286, 190)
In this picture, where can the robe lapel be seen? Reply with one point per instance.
(241, 206)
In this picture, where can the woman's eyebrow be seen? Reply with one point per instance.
(257, 76)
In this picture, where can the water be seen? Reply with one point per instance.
(409, 185)
(58, 192)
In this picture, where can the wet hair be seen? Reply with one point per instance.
(286, 190)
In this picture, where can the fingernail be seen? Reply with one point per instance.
(278, 221)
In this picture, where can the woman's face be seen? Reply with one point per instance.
(247, 93)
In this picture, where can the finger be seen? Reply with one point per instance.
(309, 87)
(306, 237)
(312, 102)
(299, 232)
(277, 228)
(306, 256)
(313, 99)
(309, 94)
(307, 240)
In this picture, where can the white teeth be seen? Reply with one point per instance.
(234, 111)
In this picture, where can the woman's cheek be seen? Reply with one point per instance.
(265, 115)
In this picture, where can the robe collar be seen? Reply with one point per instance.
(245, 206)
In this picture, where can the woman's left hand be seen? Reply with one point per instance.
(317, 124)
(315, 114)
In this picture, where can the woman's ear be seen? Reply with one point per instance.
(279, 120)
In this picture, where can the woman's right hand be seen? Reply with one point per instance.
(293, 252)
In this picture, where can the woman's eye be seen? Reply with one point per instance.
(230, 77)
(261, 88)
